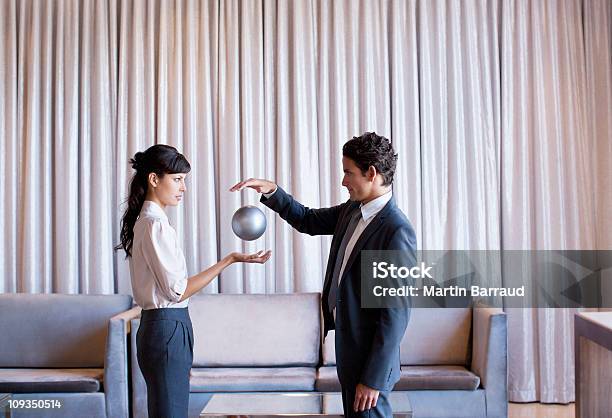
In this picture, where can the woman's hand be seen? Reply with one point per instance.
(259, 257)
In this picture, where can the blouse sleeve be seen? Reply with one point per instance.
(165, 259)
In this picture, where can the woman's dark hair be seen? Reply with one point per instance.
(159, 159)
(374, 150)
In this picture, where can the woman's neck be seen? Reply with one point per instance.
(154, 199)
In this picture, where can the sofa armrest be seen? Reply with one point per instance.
(116, 388)
(139, 387)
(490, 357)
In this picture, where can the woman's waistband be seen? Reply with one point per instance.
(174, 314)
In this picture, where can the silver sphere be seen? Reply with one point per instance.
(249, 223)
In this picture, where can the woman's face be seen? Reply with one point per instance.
(167, 190)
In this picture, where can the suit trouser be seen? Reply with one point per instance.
(165, 355)
(382, 409)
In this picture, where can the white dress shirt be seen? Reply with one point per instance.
(368, 212)
(157, 265)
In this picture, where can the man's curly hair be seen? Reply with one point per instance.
(374, 150)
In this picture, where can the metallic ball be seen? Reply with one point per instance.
(249, 223)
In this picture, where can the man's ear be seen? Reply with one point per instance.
(371, 173)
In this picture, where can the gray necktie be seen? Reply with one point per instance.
(333, 290)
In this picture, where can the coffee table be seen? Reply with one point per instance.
(5, 410)
(300, 404)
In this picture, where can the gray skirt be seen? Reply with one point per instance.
(165, 355)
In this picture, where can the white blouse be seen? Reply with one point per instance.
(157, 265)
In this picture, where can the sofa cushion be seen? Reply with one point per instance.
(256, 330)
(259, 379)
(327, 379)
(437, 336)
(50, 380)
(412, 378)
(63, 331)
(437, 378)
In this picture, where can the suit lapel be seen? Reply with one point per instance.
(345, 221)
(365, 235)
(336, 241)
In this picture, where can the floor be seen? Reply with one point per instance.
(537, 410)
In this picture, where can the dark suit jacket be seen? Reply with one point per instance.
(367, 340)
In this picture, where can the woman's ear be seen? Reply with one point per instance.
(153, 179)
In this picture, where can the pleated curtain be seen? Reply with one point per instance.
(501, 112)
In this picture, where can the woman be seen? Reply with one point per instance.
(159, 278)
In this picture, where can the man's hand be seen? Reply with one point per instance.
(260, 185)
(365, 398)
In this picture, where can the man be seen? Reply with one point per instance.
(367, 340)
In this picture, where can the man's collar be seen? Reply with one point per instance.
(374, 206)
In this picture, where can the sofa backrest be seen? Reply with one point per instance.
(329, 349)
(434, 336)
(52, 330)
(437, 336)
(256, 330)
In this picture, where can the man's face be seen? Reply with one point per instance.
(357, 184)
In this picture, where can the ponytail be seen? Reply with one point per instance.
(136, 198)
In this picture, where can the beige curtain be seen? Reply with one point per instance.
(556, 91)
(501, 112)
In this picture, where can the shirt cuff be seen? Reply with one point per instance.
(269, 195)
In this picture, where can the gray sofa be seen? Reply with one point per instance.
(69, 348)
(453, 360)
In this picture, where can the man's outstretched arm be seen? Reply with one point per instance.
(306, 220)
